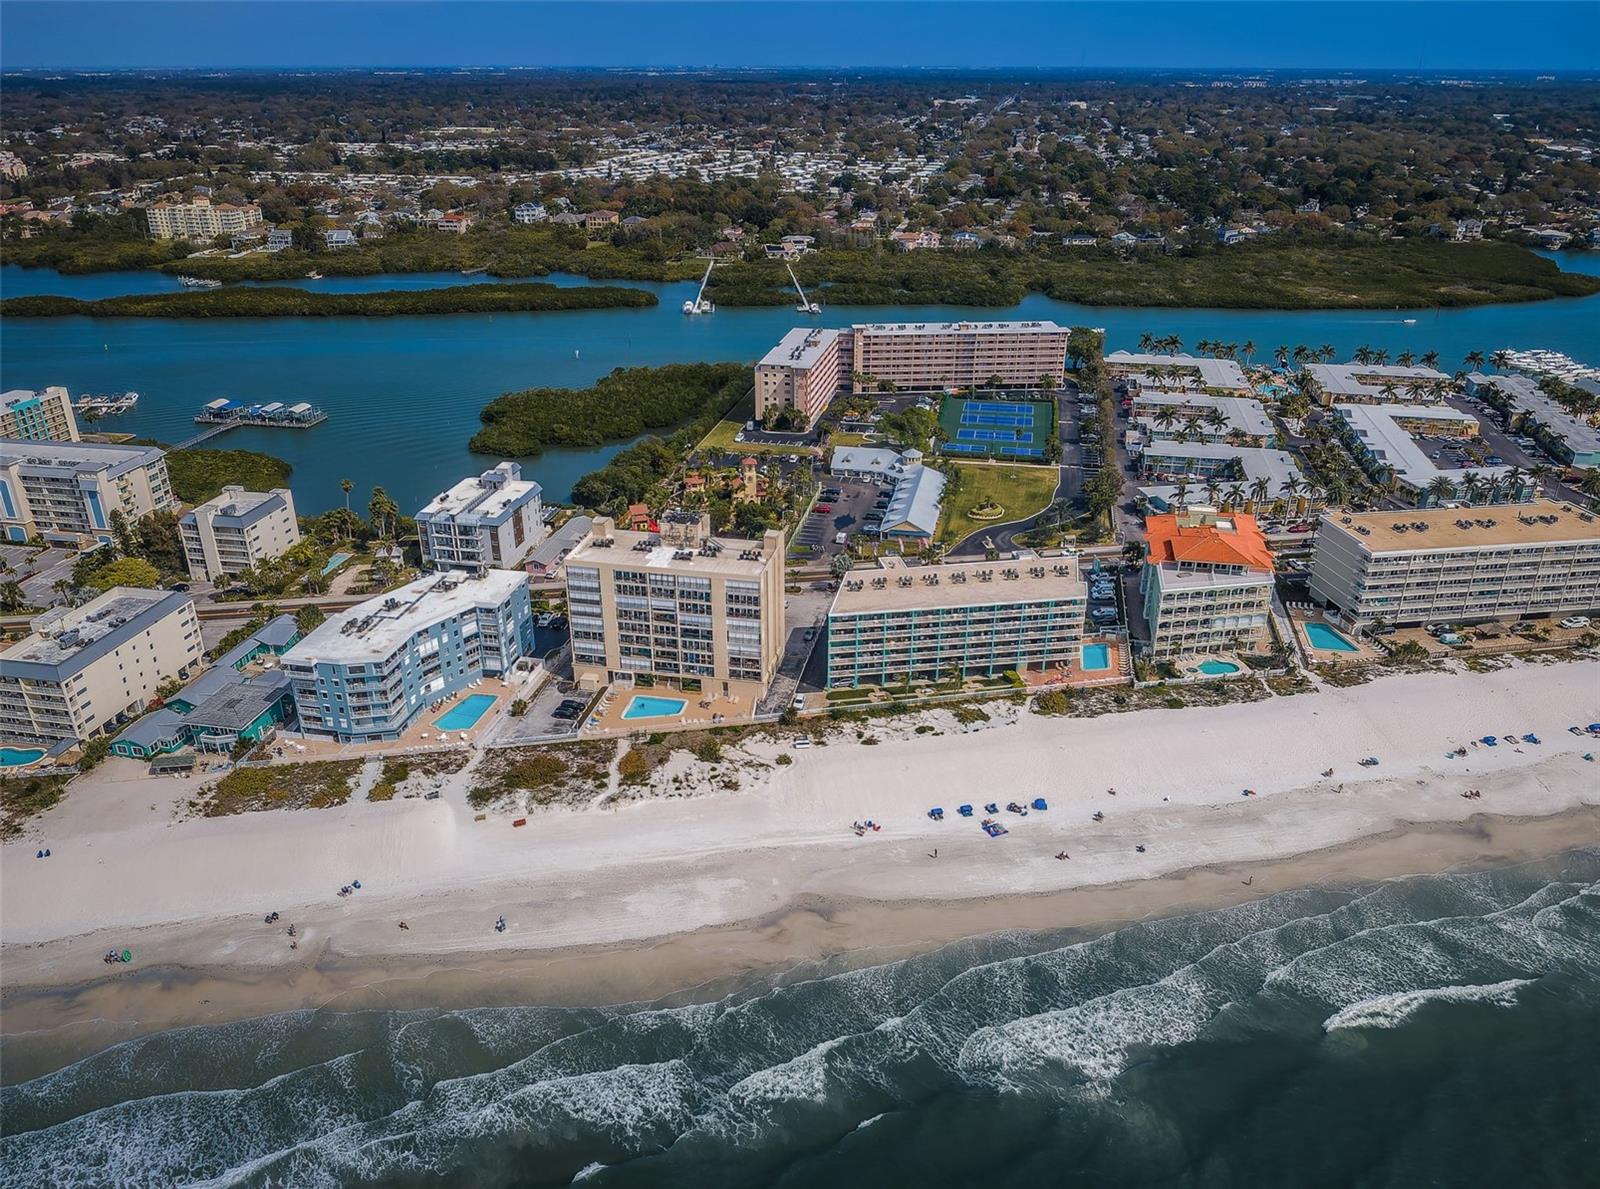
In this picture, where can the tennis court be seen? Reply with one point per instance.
(997, 429)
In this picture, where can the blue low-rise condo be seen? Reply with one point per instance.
(366, 674)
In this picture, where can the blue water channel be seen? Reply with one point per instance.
(403, 394)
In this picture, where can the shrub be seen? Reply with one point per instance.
(1053, 702)
(634, 767)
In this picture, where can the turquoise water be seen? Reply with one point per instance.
(1322, 636)
(403, 394)
(1217, 668)
(334, 562)
(1096, 657)
(12, 757)
(1427, 1031)
(464, 715)
(647, 706)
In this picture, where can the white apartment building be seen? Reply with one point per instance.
(66, 492)
(678, 607)
(85, 670)
(369, 673)
(1150, 371)
(237, 529)
(488, 522)
(199, 219)
(1377, 383)
(804, 372)
(1452, 564)
(1207, 583)
(942, 355)
(43, 416)
(896, 622)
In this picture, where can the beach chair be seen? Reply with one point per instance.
(991, 807)
(936, 814)
(1040, 803)
(964, 810)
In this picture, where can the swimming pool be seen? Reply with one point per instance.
(649, 706)
(334, 562)
(15, 757)
(1322, 636)
(1217, 668)
(1096, 657)
(464, 715)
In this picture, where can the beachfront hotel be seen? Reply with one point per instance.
(366, 674)
(199, 219)
(65, 492)
(483, 523)
(1207, 583)
(804, 372)
(895, 622)
(924, 356)
(1453, 564)
(237, 529)
(85, 669)
(676, 607)
(43, 416)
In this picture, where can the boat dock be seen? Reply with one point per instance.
(221, 415)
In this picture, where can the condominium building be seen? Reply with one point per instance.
(1564, 436)
(487, 522)
(368, 673)
(1377, 383)
(86, 669)
(237, 529)
(944, 355)
(897, 622)
(66, 492)
(1197, 417)
(43, 416)
(1384, 439)
(1146, 371)
(199, 219)
(807, 368)
(1457, 564)
(676, 607)
(1207, 583)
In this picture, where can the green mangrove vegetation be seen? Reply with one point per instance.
(298, 303)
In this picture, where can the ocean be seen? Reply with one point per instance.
(1428, 1031)
(403, 394)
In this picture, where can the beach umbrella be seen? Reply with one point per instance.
(127, 955)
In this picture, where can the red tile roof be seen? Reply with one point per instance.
(1171, 539)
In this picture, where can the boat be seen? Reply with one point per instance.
(199, 283)
(313, 275)
(1408, 321)
(473, 272)
(104, 406)
(700, 305)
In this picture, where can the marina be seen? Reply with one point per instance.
(105, 406)
(1550, 363)
(302, 415)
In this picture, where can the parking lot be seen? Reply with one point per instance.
(850, 512)
(38, 570)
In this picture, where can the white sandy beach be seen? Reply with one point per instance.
(191, 894)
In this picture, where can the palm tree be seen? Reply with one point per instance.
(12, 597)
(1406, 359)
(1165, 416)
(1249, 350)
(1590, 483)
(1380, 356)
(1259, 490)
(1500, 359)
(1213, 490)
(1180, 493)
(1430, 359)
(1282, 356)
(1474, 360)
(1326, 352)
(1471, 485)
(1515, 479)
(347, 487)
(383, 512)
(1215, 418)
(1147, 342)
(1363, 354)
(1235, 497)
(1440, 490)
(1301, 355)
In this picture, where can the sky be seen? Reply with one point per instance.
(1424, 35)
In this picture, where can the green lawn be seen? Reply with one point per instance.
(1020, 490)
(721, 437)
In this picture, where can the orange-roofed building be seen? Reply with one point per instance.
(638, 518)
(1207, 583)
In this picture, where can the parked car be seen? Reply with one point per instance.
(823, 509)
(1575, 621)
(560, 621)
(1103, 614)
(1302, 527)
(545, 618)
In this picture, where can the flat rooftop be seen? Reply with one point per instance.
(1366, 380)
(1542, 522)
(71, 457)
(238, 504)
(958, 584)
(916, 328)
(1526, 395)
(734, 557)
(1249, 416)
(1214, 373)
(373, 630)
(82, 634)
(1380, 432)
(482, 497)
(800, 348)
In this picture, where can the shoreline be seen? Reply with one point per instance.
(47, 1026)
(691, 895)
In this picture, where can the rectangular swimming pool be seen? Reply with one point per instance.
(1095, 658)
(649, 706)
(464, 715)
(334, 562)
(1322, 636)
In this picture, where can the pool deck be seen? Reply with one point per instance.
(1118, 672)
(1364, 653)
(699, 710)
